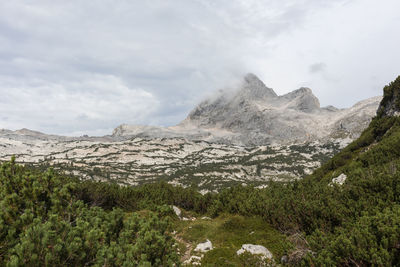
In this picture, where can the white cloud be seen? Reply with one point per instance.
(76, 106)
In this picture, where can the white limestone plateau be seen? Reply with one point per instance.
(209, 166)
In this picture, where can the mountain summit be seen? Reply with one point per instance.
(253, 88)
(302, 99)
(254, 114)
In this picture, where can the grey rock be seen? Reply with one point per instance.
(255, 250)
(339, 180)
(177, 211)
(285, 259)
(204, 247)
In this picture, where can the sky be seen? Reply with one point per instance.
(84, 67)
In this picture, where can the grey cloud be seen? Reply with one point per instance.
(317, 67)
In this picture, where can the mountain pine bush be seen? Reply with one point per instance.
(42, 223)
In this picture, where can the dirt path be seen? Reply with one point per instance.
(188, 248)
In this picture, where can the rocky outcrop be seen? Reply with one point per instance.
(254, 114)
(390, 105)
(339, 180)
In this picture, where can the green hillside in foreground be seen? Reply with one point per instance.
(49, 219)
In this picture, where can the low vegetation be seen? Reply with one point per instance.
(228, 232)
(43, 223)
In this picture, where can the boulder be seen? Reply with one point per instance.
(339, 180)
(204, 247)
(177, 211)
(255, 250)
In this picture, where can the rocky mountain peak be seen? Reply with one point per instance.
(214, 110)
(304, 90)
(252, 79)
(254, 89)
(390, 104)
(302, 99)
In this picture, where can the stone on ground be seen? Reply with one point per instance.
(339, 180)
(204, 247)
(255, 250)
(177, 211)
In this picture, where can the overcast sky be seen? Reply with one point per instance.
(84, 67)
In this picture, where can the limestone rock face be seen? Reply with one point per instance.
(254, 114)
